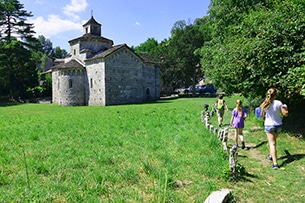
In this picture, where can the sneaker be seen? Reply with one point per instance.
(269, 158)
(235, 145)
(243, 145)
(274, 166)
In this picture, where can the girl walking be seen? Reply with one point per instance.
(272, 110)
(239, 114)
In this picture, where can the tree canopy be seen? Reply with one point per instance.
(243, 46)
(256, 45)
(20, 52)
(13, 22)
(17, 69)
(179, 65)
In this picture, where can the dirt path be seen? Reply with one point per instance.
(257, 182)
(251, 149)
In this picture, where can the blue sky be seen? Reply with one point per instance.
(123, 21)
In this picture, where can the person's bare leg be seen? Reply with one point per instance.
(240, 133)
(272, 146)
(236, 136)
(220, 118)
(241, 136)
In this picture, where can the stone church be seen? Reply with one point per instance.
(98, 73)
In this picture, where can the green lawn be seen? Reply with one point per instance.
(154, 152)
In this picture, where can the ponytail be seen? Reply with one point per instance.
(271, 94)
(239, 106)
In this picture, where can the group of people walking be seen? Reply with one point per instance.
(271, 111)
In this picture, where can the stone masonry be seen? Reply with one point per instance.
(96, 73)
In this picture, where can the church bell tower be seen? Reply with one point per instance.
(92, 27)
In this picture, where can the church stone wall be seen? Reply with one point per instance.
(55, 86)
(124, 79)
(102, 74)
(85, 49)
(68, 87)
(75, 53)
(151, 82)
(95, 45)
(95, 82)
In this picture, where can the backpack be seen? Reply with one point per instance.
(220, 104)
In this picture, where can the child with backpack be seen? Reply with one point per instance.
(220, 107)
(239, 114)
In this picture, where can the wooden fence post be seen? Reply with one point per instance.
(233, 159)
(225, 138)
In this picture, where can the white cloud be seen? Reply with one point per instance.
(74, 7)
(137, 24)
(57, 21)
(53, 25)
(39, 2)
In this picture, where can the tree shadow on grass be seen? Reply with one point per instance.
(241, 175)
(246, 177)
(290, 157)
(294, 123)
(8, 104)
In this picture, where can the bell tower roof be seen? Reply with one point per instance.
(92, 27)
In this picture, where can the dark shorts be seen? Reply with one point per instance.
(273, 129)
(220, 113)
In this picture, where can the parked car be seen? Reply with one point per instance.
(190, 89)
(208, 89)
(180, 90)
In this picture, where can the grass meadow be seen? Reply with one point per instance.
(153, 152)
(157, 152)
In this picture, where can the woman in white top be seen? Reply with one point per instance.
(272, 110)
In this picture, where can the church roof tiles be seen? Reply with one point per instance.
(105, 53)
(90, 37)
(73, 63)
(91, 21)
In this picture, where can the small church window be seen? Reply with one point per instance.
(70, 83)
(147, 91)
(91, 82)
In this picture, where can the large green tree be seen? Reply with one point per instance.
(13, 22)
(45, 45)
(17, 74)
(180, 66)
(256, 45)
(157, 52)
(17, 67)
(42, 54)
(149, 47)
(185, 39)
(57, 52)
